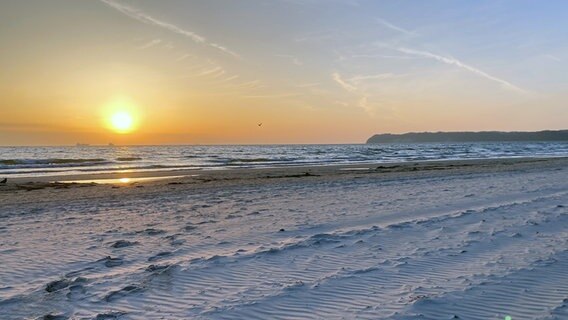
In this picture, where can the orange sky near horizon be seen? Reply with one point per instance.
(207, 73)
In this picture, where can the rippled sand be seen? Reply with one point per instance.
(449, 240)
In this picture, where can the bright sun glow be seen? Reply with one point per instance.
(122, 122)
(121, 114)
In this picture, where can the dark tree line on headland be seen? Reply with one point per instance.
(485, 136)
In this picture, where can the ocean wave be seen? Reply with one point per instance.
(128, 159)
(251, 160)
(52, 162)
(39, 161)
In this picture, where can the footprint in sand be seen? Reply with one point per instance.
(57, 285)
(111, 262)
(152, 231)
(77, 290)
(123, 244)
(54, 317)
(157, 268)
(109, 316)
(114, 295)
(189, 228)
(160, 255)
(174, 241)
(64, 283)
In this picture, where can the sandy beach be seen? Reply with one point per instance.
(472, 239)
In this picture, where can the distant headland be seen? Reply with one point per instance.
(484, 136)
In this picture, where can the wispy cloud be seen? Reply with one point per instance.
(213, 72)
(360, 78)
(363, 88)
(458, 63)
(294, 59)
(381, 56)
(224, 49)
(308, 85)
(272, 96)
(250, 85)
(395, 27)
(353, 84)
(231, 78)
(362, 100)
(353, 3)
(343, 83)
(148, 19)
(150, 44)
(552, 57)
(364, 104)
(341, 103)
(320, 36)
(145, 18)
(183, 57)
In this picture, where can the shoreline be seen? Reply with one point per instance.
(323, 168)
(139, 184)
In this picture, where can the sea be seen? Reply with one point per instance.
(81, 159)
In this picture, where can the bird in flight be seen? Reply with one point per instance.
(260, 124)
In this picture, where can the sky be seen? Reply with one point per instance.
(309, 71)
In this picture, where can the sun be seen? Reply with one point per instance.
(121, 115)
(122, 122)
